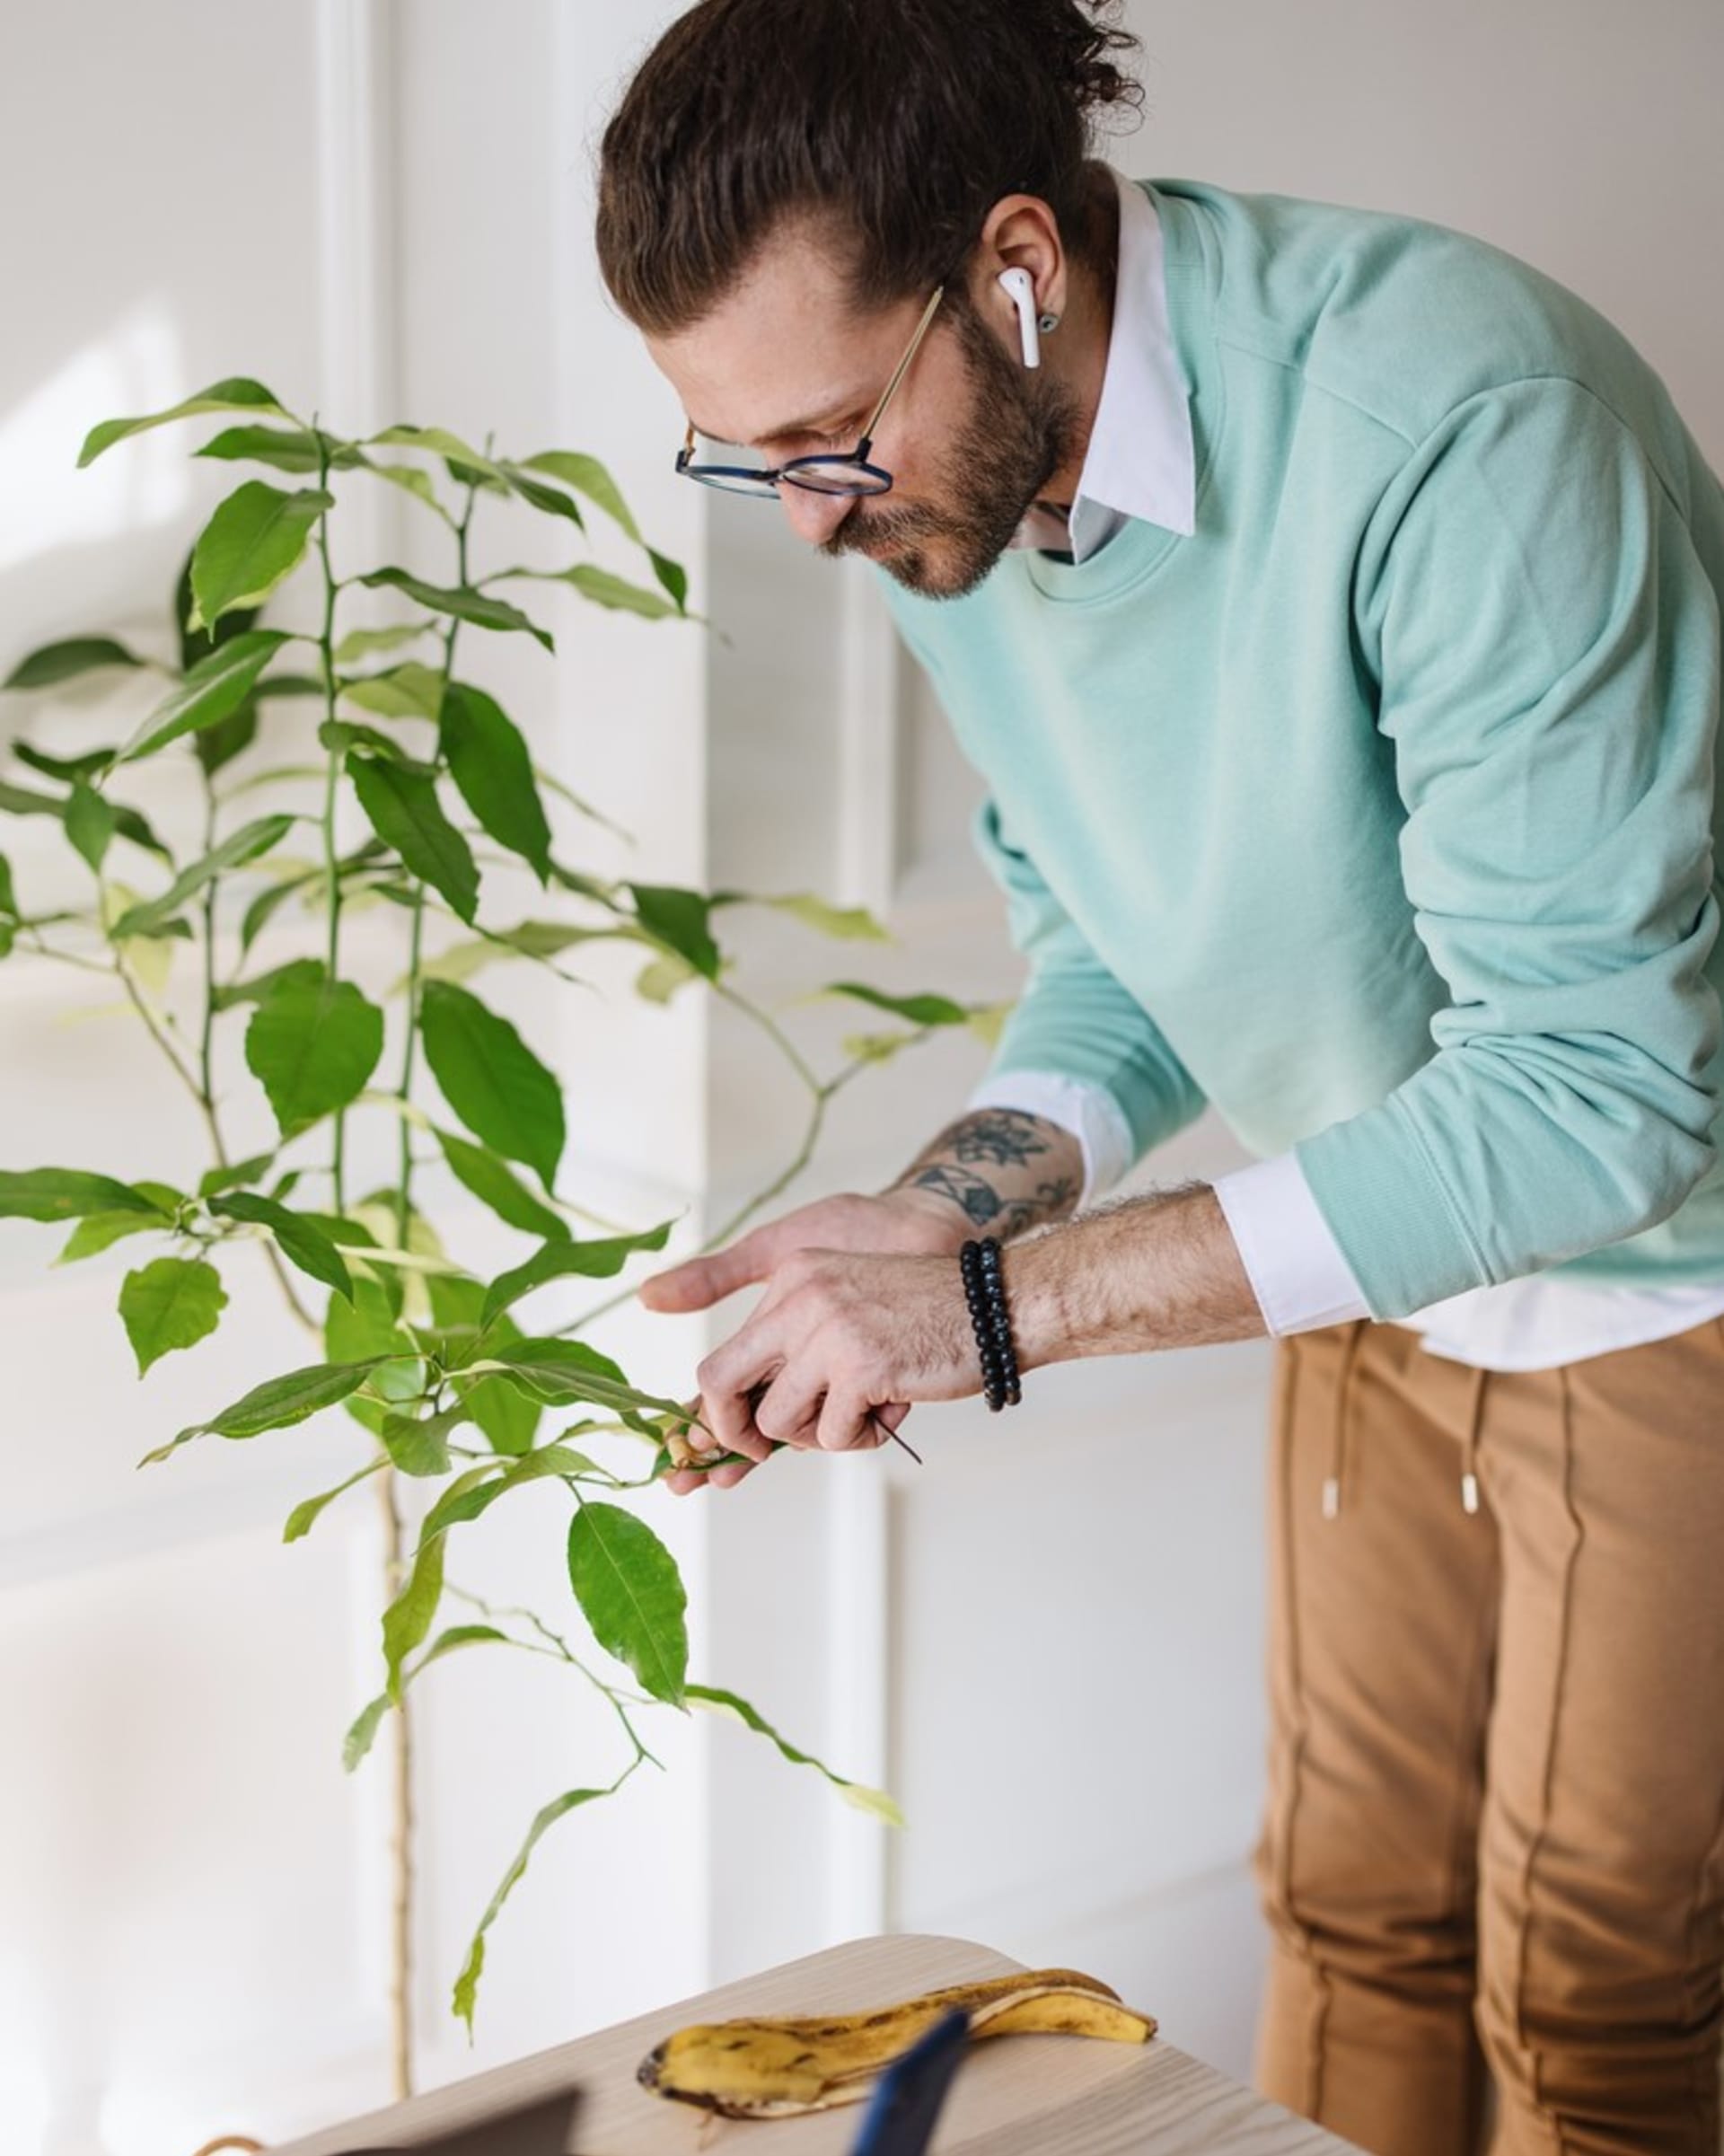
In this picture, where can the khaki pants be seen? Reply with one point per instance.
(1494, 1842)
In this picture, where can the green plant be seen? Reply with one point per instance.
(420, 1350)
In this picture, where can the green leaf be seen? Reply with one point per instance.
(489, 761)
(405, 814)
(302, 1244)
(587, 476)
(408, 1618)
(604, 587)
(345, 734)
(240, 846)
(19, 801)
(89, 823)
(419, 1444)
(236, 394)
(97, 1232)
(596, 1260)
(8, 897)
(463, 601)
(459, 1505)
(466, 1991)
(63, 768)
(174, 1303)
(921, 1010)
(410, 690)
(678, 920)
(69, 1194)
(852, 923)
(360, 1737)
(478, 1169)
(314, 1043)
(508, 1413)
(215, 1180)
(304, 1515)
(631, 1595)
(563, 1370)
(858, 1793)
(412, 480)
(438, 441)
(368, 1327)
(493, 1081)
(277, 1403)
(257, 537)
(213, 688)
(660, 978)
(229, 737)
(360, 643)
(73, 656)
(539, 940)
(672, 576)
(288, 449)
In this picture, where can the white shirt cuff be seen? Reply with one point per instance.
(1295, 1265)
(1090, 1113)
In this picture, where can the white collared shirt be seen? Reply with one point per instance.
(1141, 463)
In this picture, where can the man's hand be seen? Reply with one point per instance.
(908, 1221)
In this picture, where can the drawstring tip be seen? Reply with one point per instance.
(1469, 1492)
(1330, 1496)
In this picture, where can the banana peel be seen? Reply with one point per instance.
(758, 2067)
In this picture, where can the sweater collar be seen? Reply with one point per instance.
(1141, 460)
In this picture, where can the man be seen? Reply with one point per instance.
(1331, 603)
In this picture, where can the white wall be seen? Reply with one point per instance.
(386, 209)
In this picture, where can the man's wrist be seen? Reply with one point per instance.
(1161, 1271)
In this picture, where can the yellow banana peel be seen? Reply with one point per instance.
(761, 2067)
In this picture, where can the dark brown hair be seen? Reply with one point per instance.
(898, 122)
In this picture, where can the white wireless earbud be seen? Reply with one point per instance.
(1021, 294)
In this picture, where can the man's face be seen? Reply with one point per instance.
(971, 438)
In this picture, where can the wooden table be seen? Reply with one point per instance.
(1012, 2096)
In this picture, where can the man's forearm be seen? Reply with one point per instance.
(1159, 1271)
(1002, 1171)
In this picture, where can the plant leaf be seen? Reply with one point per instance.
(256, 537)
(314, 1043)
(360, 643)
(596, 1260)
(631, 1595)
(61, 662)
(505, 1411)
(478, 1170)
(237, 393)
(410, 690)
(89, 823)
(419, 1444)
(304, 1515)
(409, 1618)
(921, 1010)
(858, 1793)
(302, 1244)
(213, 688)
(70, 1194)
(850, 923)
(288, 449)
(466, 1992)
(172, 1303)
(489, 763)
(240, 846)
(493, 1081)
(277, 1403)
(463, 601)
(563, 1370)
(587, 476)
(406, 814)
(678, 920)
(604, 587)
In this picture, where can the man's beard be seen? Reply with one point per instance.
(1021, 429)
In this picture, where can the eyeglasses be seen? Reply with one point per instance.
(838, 475)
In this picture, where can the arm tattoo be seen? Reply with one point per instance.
(993, 1166)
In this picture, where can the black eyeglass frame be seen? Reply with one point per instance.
(715, 475)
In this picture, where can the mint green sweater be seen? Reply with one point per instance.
(1380, 811)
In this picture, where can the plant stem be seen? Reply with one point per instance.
(400, 1850)
(326, 645)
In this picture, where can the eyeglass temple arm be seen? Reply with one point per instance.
(867, 442)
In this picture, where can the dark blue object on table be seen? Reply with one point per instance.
(908, 2095)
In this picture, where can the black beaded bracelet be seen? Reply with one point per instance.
(984, 1289)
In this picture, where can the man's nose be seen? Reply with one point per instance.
(814, 517)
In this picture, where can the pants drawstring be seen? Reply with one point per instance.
(1338, 1441)
(1470, 1447)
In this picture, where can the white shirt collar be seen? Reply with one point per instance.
(1140, 461)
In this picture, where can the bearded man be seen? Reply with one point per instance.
(1329, 602)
